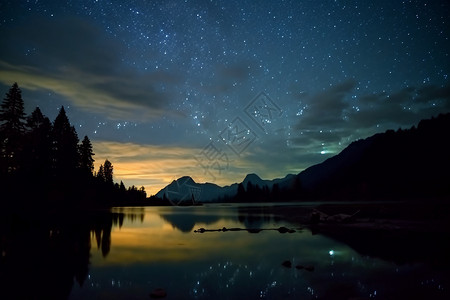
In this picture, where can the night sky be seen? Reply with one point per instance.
(219, 89)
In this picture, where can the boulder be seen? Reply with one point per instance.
(158, 293)
(286, 264)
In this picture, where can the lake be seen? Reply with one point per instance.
(236, 251)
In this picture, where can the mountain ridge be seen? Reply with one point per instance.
(389, 164)
(183, 188)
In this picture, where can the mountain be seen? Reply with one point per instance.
(255, 180)
(185, 188)
(403, 164)
(314, 176)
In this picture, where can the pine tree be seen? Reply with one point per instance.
(122, 187)
(86, 153)
(143, 193)
(65, 145)
(12, 112)
(101, 174)
(12, 129)
(108, 171)
(37, 120)
(38, 143)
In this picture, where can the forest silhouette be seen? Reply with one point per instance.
(403, 165)
(43, 163)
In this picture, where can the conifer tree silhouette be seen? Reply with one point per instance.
(12, 130)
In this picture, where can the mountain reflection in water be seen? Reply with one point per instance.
(127, 253)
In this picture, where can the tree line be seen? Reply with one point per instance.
(44, 162)
(254, 193)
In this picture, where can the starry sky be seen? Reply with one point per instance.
(220, 89)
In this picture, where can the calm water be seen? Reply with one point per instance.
(127, 253)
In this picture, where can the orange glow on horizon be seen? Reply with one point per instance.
(156, 166)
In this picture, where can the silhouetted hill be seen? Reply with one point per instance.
(255, 180)
(184, 188)
(402, 164)
(394, 165)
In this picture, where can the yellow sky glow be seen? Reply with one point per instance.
(154, 166)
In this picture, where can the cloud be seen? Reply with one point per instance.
(326, 108)
(308, 138)
(403, 108)
(226, 77)
(75, 59)
(275, 157)
(235, 72)
(380, 109)
(323, 124)
(149, 165)
(155, 166)
(433, 93)
(331, 119)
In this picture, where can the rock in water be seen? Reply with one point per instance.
(287, 264)
(309, 268)
(283, 229)
(158, 293)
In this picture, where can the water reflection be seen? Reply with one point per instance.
(135, 251)
(401, 246)
(185, 221)
(43, 254)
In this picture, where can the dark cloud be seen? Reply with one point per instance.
(323, 121)
(226, 77)
(62, 43)
(325, 109)
(73, 57)
(234, 72)
(273, 155)
(332, 100)
(402, 108)
(381, 109)
(401, 97)
(433, 93)
(321, 136)
(331, 119)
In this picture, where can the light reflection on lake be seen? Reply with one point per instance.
(129, 252)
(163, 251)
